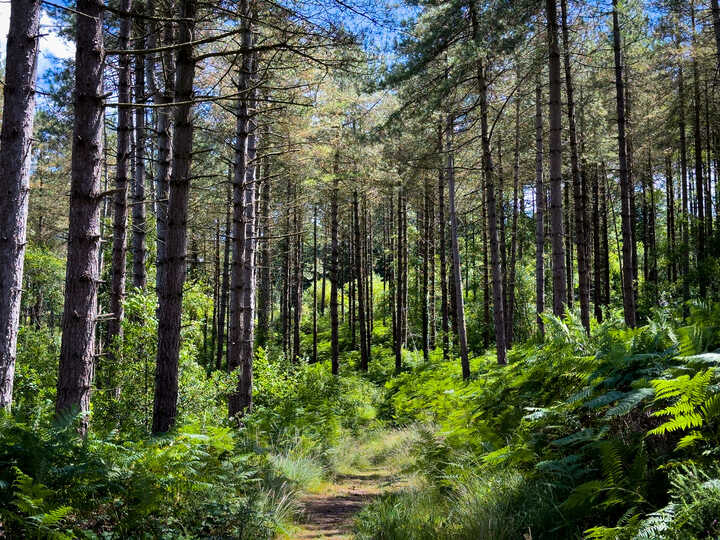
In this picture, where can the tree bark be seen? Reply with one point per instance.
(242, 284)
(120, 210)
(225, 287)
(539, 211)
(697, 144)
(138, 210)
(457, 277)
(265, 278)
(77, 352)
(360, 285)
(15, 161)
(625, 187)
(580, 232)
(445, 326)
(560, 292)
(171, 295)
(334, 269)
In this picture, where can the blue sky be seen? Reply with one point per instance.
(52, 46)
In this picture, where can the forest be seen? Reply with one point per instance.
(398, 269)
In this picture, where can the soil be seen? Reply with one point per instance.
(329, 515)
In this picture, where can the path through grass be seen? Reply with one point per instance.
(364, 470)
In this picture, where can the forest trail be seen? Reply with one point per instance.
(329, 513)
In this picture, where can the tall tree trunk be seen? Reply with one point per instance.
(77, 352)
(686, 218)
(605, 235)
(15, 160)
(171, 295)
(138, 209)
(315, 278)
(697, 144)
(670, 218)
(334, 268)
(539, 211)
(510, 317)
(597, 253)
(443, 253)
(265, 278)
(425, 316)
(489, 173)
(456, 275)
(360, 285)
(120, 211)
(430, 236)
(165, 140)
(242, 282)
(560, 292)
(580, 232)
(225, 287)
(625, 187)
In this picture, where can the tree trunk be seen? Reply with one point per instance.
(670, 219)
(164, 149)
(264, 294)
(170, 296)
(225, 287)
(456, 275)
(699, 184)
(597, 253)
(497, 277)
(138, 210)
(686, 218)
(443, 263)
(334, 269)
(360, 285)
(580, 233)
(425, 269)
(560, 292)
(120, 211)
(627, 228)
(15, 161)
(539, 211)
(514, 232)
(315, 276)
(77, 352)
(242, 281)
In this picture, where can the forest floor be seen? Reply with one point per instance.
(329, 513)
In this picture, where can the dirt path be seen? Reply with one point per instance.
(329, 515)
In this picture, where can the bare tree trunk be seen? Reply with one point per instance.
(425, 269)
(242, 284)
(686, 218)
(670, 205)
(580, 232)
(315, 279)
(138, 210)
(171, 295)
(265, 278)
(597, 253)
(457, 277)
(509, 319)
(430, 235)
(120, 212)
(15, 160)
(360, 286)
(164, 145)
(627, 228)
(77, 353)
(334, 269)
(697, 144)
(443, 263)
(539, 211)
(560, 292)
(225, 287)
